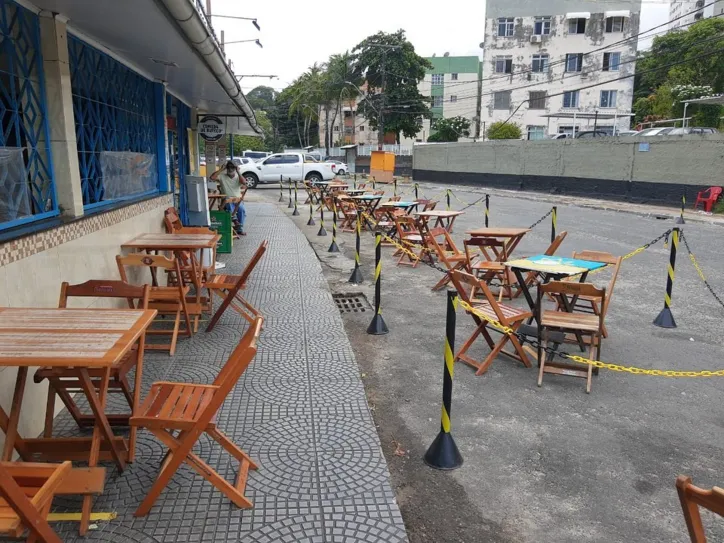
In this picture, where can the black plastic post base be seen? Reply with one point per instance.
(665, 319)
(356, 276)
(281, 198)
(333, 247)
(378, 327)
(443, 453)
(296, 212)
(311, 222)
(322, 231)
(679, 220)
(291, 204)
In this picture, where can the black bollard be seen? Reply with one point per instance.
(296, 210)
(680, 218)
(665, 319)
(443, 453)
(356, 276)
(378, 327)
(281, 188)
(487, 209)
(417, 191)
(291, 203)
(311, 222)
(333, 246)
(554, 222)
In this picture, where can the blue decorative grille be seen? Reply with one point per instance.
(24, 119)
(114, 110)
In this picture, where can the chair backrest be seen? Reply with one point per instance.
(171, 220)
(142, 260)
(559, 289)
(492, 249)
(406, 224)
(467, 286)
(97, 288)
(361, 186)
(556, 243)
(243, 278)
(395, 199)
(431, 235)
(609, 259)
(378, 193)
(715, 192)
(691, 497)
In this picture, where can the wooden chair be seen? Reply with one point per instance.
(27, 490)
(408, 234)
(563, 321)
(446, 251)
(428, 205)
(191, 264)
(171, 220)
(487, 262)
(228, 288)
(511, 317)
(693, 497)
(64, 382)
(348, 214)
(584, 303)
(168, 300)
(179, 413)
(531, 277)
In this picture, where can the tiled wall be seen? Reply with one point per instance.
(32, 268)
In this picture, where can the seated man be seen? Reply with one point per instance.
(230, 184)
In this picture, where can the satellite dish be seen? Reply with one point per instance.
(481, 45)
(446, 54)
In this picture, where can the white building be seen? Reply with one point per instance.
(544, 58)
(687, 12)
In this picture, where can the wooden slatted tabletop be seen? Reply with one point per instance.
(69, 337)
(172, 242)
(439, 213)
(498, 232)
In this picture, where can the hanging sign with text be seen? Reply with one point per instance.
(211, 128)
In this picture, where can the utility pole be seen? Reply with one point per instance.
(381, 116)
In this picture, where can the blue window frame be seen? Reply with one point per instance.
(27, 190)
(115, 110)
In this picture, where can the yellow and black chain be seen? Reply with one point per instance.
(699, 270)
(544, 217)
(587, 361)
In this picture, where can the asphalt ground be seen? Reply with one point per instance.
(551, 463)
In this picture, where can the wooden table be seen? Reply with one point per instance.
(510, 236)
(79, 339)
(216, 200)
(443, 218)
(189, 244)
(367, 203)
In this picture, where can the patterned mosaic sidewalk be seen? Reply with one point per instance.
(300, 411)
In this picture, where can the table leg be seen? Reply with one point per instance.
(11, 434)
(526, 293)
(136, 396)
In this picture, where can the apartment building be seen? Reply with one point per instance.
(556, 66)
(453, 84)
(687, 12)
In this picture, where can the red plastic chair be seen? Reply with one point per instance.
(708, 197)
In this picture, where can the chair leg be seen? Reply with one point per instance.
(541, 358)
(126, 390)
(174, 334)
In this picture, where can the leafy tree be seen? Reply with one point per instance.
(389, 61)
(450, 129)
(262, 97)
(504, 131)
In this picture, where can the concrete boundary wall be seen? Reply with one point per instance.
(608, 167)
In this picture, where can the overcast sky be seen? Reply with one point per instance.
(295, 35)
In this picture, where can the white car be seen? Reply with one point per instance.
(285, 166)
(340, 168)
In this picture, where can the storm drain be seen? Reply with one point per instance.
(352, 302)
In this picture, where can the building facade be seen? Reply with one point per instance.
(547, 62)
(449, 85)
(98, 134)
(683, 13)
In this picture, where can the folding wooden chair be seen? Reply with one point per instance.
(487, 262)
(510, 317)
(228, 288)
(408, 233)
(531, 277)
(190, 410)
(348, 214)
(445, 250)
(563, 321)
(691, 498)
(27, 490)
(171, 220)
(585, 303)
(428, 205)
(65, 383)
(168, 300)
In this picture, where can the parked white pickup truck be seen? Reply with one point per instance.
(289, 166)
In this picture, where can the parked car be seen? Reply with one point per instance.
(242, 161)
(585, 134)
(561, 136)
(255, 155)
(692, 130)
(655, 132)
(627, 133)
(340, 168)
(289, 166)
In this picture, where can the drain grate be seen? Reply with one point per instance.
(351, 302)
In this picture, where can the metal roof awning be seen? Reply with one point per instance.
(717, 100)
(618, 13)
(587, 115)
(579, 15)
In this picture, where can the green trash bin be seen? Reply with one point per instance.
(221, 223)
